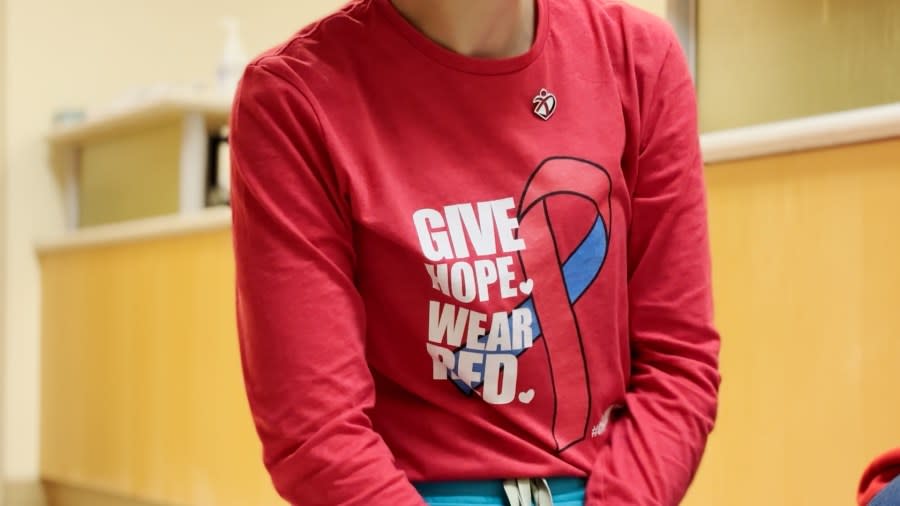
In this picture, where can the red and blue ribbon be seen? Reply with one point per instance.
(560, 279)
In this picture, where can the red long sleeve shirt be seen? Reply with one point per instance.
(458, 268)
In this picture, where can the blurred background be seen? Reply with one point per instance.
(120, 376)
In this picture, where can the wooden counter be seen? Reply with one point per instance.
(142, 395)
(142, 392)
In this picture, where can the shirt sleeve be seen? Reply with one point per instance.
(655, 443)
(300, 317)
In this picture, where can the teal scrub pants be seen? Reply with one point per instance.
(566, 492)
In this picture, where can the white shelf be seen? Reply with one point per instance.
(199, 115)
(214, 218)
(214, 109)
(804, 134)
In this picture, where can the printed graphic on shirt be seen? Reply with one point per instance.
(516, 252)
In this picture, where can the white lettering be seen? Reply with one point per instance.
(442, 359)
(506, 225)
(494, 392)
(522, 335)
(443, 321)
(435, 244)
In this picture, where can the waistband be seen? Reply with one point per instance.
(566, 491)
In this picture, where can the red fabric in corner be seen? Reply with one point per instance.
(878, 475)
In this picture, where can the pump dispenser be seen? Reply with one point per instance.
(234, 58)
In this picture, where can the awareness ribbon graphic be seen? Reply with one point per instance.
(560, 279)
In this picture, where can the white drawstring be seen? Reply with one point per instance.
(519, 492)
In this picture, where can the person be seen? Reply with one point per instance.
(472, 263)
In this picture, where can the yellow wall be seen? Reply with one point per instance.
(3, 212)
(769, 60)
(657, 7)
(807, 282)
(131, 176)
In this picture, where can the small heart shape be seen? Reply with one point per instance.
(526, 397)
(544, 104)
(526, 286)
(551, 105)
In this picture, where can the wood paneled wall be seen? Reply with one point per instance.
(806, 252)
(142, 393)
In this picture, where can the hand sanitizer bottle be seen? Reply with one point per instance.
(234, 59)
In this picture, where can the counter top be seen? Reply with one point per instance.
(213, 218)
(803, 134)
(159, 109)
